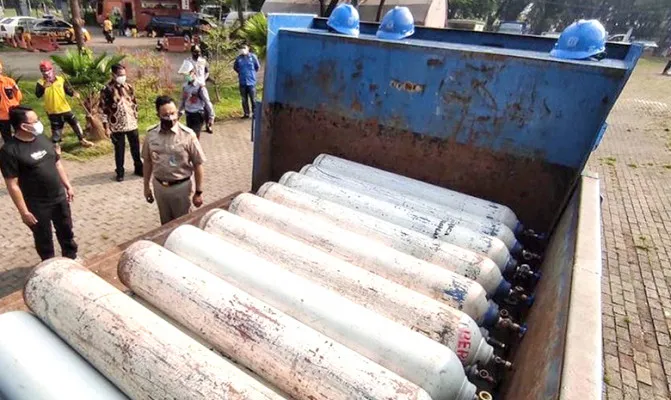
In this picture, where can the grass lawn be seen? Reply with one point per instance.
(227, 107)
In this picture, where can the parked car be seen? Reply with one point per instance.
(8, 25)
(62, 29)
(648, 45)
(515, 27)
(185, 25)
(232, 17)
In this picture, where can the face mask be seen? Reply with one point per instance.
(244, 52)
(49, 75)
(168, 123)
(120, 79)
(189, 78)
(37, 128)
(195, 55)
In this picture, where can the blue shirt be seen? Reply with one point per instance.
(246, 67)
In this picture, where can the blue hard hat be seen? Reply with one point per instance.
(396, 24)
(581, 40)
(344, 19)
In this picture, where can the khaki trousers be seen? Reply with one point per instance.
(173, 201)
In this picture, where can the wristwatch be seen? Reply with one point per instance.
(199, 192)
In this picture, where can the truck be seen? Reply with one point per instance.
(187, 24)
(490, 115)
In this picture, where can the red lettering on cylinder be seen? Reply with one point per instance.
(463, 343)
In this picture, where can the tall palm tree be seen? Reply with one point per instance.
(88, 74)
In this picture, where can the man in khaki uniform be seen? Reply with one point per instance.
(172, 154)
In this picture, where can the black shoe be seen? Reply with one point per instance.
(245, 117)
(139, 173)
(119, 178)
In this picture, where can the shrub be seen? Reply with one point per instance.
(255, 34)
(151, 74)
(88, 74)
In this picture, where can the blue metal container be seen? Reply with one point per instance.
(490, 115)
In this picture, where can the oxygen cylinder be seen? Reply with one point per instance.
(142, 354)
(425, 224)
(36, 364)
(428, 364)
(454, 290)
(434, 319)
(480, 269)
(295, 358)
(469, 225)
(450, 198)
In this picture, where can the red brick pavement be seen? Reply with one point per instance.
(107, 213)
(634, 164)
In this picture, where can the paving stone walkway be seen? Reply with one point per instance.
(634, 164)
(107, 213)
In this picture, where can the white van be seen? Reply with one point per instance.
(232, 17)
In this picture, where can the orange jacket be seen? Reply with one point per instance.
(10, 96)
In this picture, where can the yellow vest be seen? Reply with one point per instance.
(55, 101)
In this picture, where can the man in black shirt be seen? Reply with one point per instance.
(37, 183)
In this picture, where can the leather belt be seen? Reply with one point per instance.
(172, 183)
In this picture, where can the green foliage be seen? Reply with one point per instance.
(84, 70)
(471, 9)
(255, 34)
(11, 73)
(221, 44)
(151, 74)
(221, 71)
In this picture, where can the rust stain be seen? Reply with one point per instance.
(434, 62)
(356, 105)
(407, 86)
(481, 88)
(516, 181)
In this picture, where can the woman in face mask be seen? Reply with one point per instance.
(195, 100)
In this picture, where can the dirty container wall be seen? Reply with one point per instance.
(550, 355)
(519, 121)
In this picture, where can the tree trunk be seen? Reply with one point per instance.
(322, 9)
(241, 15)
(77, 23)
(332, 5)
(379, 11)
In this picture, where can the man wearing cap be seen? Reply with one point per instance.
(54, 90)
(247, 65)
(10, 96)
(172, 155)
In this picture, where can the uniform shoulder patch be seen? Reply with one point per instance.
(186, 129)
(153, 127)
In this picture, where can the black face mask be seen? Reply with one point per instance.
(195, 55)
(167, 124)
